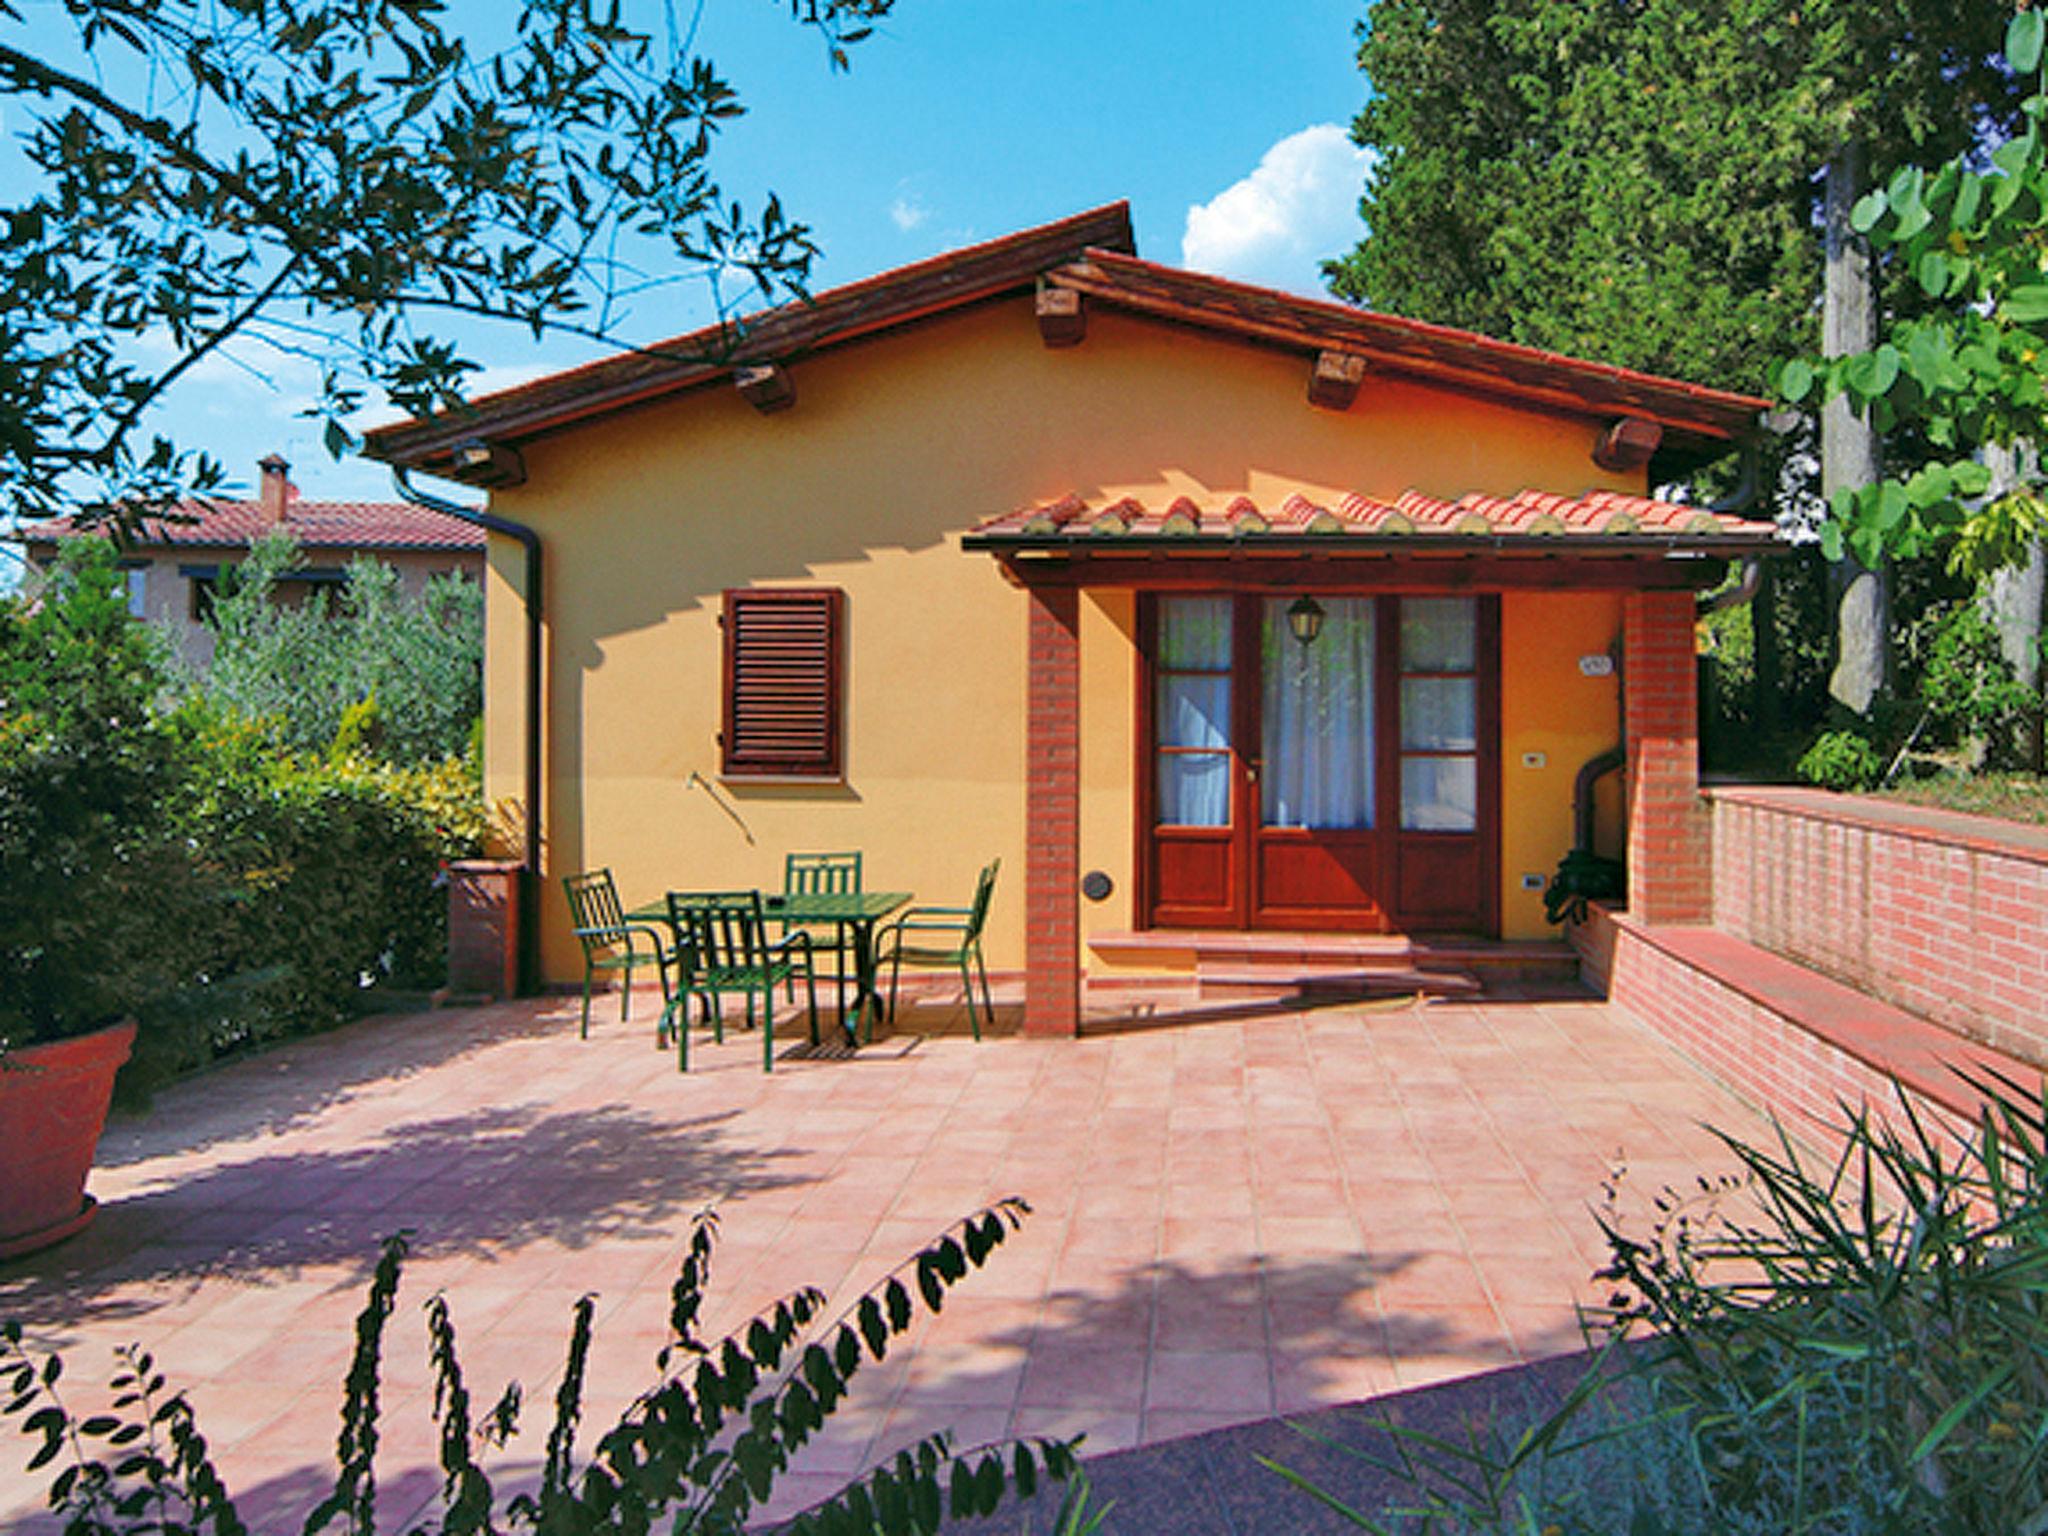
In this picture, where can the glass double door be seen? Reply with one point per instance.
(1327, 764)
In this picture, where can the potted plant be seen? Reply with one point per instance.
(96, 886)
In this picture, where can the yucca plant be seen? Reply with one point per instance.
(1858, 1344)
(699, 1451)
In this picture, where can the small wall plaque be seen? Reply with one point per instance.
(1600, 665)
(1096, 885)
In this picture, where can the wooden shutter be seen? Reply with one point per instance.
(782, 682)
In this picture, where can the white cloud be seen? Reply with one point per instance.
(1297, 209)
(908, 211)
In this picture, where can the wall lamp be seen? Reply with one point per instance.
(1305, 619)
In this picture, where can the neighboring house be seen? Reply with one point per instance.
(174, 564)
(1230, 609)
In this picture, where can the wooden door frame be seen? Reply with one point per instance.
(1386, 746)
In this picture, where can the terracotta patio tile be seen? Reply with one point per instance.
(1276, 1189)
(1060, 1375)
(1212, 1380)
(1104, 1430)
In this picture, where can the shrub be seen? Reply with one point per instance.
(177, 865)
(101, 913)
(1868, 1352)
(367, 670)
(697, 1452)
(1971, 692)
(1843, 760)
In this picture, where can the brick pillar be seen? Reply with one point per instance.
(1052, 813)
(1669, 856)
(483, 927)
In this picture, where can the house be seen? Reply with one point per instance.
(1209, 609)
(174, 564)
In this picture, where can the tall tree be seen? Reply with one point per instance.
(340, 179)
(1637, 180)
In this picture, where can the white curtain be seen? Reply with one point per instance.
(1318, 759)
(1194, 711)
(1439, 714)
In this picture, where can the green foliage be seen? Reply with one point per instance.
(1634, 181)
(1582, 876)
(697, 1453)
(175, 865)
(331, 180)
(100, 911)
(1966, 373)
(369, 672)
(1842, 760)
(1759, 727)
(1971, 692)
(1863, 1351)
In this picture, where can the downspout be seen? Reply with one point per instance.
(1581, 866)
(529, 889)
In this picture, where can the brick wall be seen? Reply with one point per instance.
(1945, 916)
(1052, 809)
(1668, 862)
(1794, 1073)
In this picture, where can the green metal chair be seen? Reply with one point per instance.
(727, 950)
(806, 874)
(905, 942)
(610, 943)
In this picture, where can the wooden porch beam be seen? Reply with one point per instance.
(1368, 574)
(767, 387)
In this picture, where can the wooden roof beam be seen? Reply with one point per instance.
(1062, 321)
(1333, 381)
(1628, 443)
(767, 387)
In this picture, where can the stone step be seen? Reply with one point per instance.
(1328, 983)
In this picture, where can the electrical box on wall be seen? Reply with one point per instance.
(1532, 882)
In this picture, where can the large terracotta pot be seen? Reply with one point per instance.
(53, 1105)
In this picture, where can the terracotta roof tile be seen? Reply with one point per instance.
(1527, 514)
(366, 525)
(1090, 254)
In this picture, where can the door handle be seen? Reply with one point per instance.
(1251, 767)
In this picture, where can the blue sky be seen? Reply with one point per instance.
(1222, 123)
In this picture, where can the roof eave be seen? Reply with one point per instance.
(1339, 545)
(834, 318)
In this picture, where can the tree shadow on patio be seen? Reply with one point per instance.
(279, 1086)
(482, 1185)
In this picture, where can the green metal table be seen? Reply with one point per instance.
(854, 914)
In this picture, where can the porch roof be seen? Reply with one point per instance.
(1539, 520)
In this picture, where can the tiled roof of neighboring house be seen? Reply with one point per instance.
(370, 525)
(1531, 517)
(1091, 254)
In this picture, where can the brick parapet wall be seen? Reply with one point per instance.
(1668, 863)
(1943, 915)
(1777, 1064)
(1052, 848)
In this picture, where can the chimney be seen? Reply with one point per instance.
(277, 491)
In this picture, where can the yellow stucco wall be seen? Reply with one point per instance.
(1549, 710)
(894, 448)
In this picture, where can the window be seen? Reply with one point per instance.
(205, 585)
(782, 683)
(137, 577)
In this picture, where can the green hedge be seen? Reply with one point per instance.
(177, 864)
